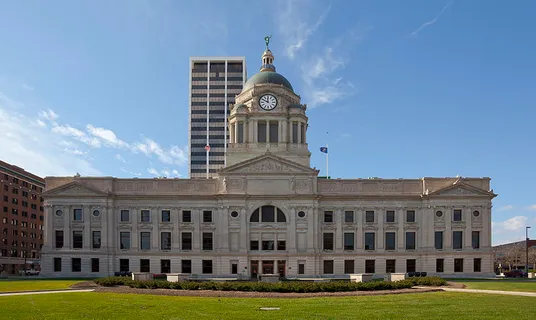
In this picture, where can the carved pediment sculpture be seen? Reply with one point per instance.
(461, 189)
(74, 188)
(268, 163)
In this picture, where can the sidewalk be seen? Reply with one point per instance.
(511, 293)
(21, 293)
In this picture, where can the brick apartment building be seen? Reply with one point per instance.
(21, 218)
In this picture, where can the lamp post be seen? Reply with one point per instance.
(527, 249)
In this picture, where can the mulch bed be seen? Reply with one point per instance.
(84, 285)
(248, 294)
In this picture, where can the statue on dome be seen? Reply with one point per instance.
(267, 40)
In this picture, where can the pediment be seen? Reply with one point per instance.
(461, 189)
(74, 189)
(268, 164)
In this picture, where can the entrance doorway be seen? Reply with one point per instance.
(281, 268)
(254, 269)
(267, 266)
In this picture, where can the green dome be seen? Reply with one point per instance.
(267, 77)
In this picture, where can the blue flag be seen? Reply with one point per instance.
(324, 149)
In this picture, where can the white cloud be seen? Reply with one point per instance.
(176, 173)
(506, 208)
(27, 87)
(153, 171)
(512, 225)
(136, 174)
(107, 136)
(75, 152)
(40, 123)
(532, 207)
(174, 155)
(431, 22)
(79, 135)
(118, 157)
(49, 115)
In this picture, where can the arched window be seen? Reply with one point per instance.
(268, 214)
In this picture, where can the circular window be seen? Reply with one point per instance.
(59, 213)
(301, 214)
(439, 214)
(234, 214)
(476, 213)
(96, 213)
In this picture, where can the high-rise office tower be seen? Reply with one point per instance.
(214, 83)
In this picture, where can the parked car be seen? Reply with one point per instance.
(515, 274)
(29, 272)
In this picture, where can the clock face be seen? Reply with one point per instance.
(268, 102)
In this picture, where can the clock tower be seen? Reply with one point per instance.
(268, 117)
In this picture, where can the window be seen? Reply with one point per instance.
(207, 216)
(165, 241)
(390, 266)
(145, 240)
(187, 216)
(411, 265)
(77, 214)
(274, 131)
(477, 265)
(207, 266)
(328, 216)
(390, 216)
(294, 132)
(145, 216)
(261, 132)
(78, 239)
(76, 264)
(57, 264)
(348, 216)
(186, 240)
(328, 266)
(458, 265)
(349, 266)
(370, 240)
(370, 266)
(267, 245)
(281, 245)
(254, 245)
(268, 214)
(124, 265)
(328, 241)
(145, 265)
(439, 240)
(410, 216)
(165, 266)
(475, 235)
(59, 239)
(207, 241)
(349, 241)
(94, 265)
(234, 268)
(125, 215)
(457, 239)
(96, 239)
(439, 265)
(124, 240)
(301, 268)
(457, 215)
(410, 240)
(186, 266)
(166, 216)
(390, 241)
(240, 133)
(369, 216)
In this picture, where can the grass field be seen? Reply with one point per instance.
(502, 284)
(34, 284)
(440, 305)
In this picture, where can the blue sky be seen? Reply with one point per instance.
(405, 89)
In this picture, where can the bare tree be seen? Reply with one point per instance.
(532, 257)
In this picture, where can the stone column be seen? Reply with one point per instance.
(87, 214)
(267, 131)
(299, 132)
(448, 228)
(176, 232)
(380, 237)
(196, 233)
(252, 131)
(338, 230)
(312, 230)
(67, 232)
(486, 227)
(48, 232)
(222, 229)
(360, 236)
(155, 233)
(467, 215)
(134, 233)
(235, 129)
(400, 234)
(291, 232)
(231, 133)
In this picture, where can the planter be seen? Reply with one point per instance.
(271, 278)
(531, 275)
(394, 276)
(177, 277)
(142, 276)
(361, 277)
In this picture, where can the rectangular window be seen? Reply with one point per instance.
(77, 214)
(207, 241)
(165, 266)
(166, 216)
(390, 266)
(369, 216)
(440, 265)
(95, 265)
(125, 216)
(390, 241)
(59, 239)
(145, 265)
(186, 240)
(261, 132)
(410, 240)
(234, 268)
(124, 240)
(328, 241)
(145, 241)
(458, 265)
(274, 131)
(477, 265)
(267, 245)
(57, 264)
(349, 266)
(187, 216)
(410, 216)
(475, 235)
(145, 216)
(328, 216)
(439, 240)
(301, 268)
(281, 245)
(457, 215)
(370, 240)
(294, 132)
(96, 239)
(349, 241)
(207, 266)
(254, 245)
(390, 216)
(411, 265)
(78, 239)
(457, 239)
(76, 265)
(348, 216)
(165, 241)
(370, 266)
(207, 216)
(240, 133)
(124, 265)
(328, 266)
(186, 266)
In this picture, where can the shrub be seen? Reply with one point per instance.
(428, 281)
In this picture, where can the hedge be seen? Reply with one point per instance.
(286, 286)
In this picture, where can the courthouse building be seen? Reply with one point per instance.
(267, 211)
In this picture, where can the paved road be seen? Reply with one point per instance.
(512, 293)
(43, 292)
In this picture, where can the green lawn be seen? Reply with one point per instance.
(439, 305)
(34, 284)
(501, 284)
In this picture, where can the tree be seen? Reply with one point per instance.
(532, 257)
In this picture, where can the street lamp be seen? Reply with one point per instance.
(527, 249)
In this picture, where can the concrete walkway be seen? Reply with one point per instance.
(43, 292)
(511, 293)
